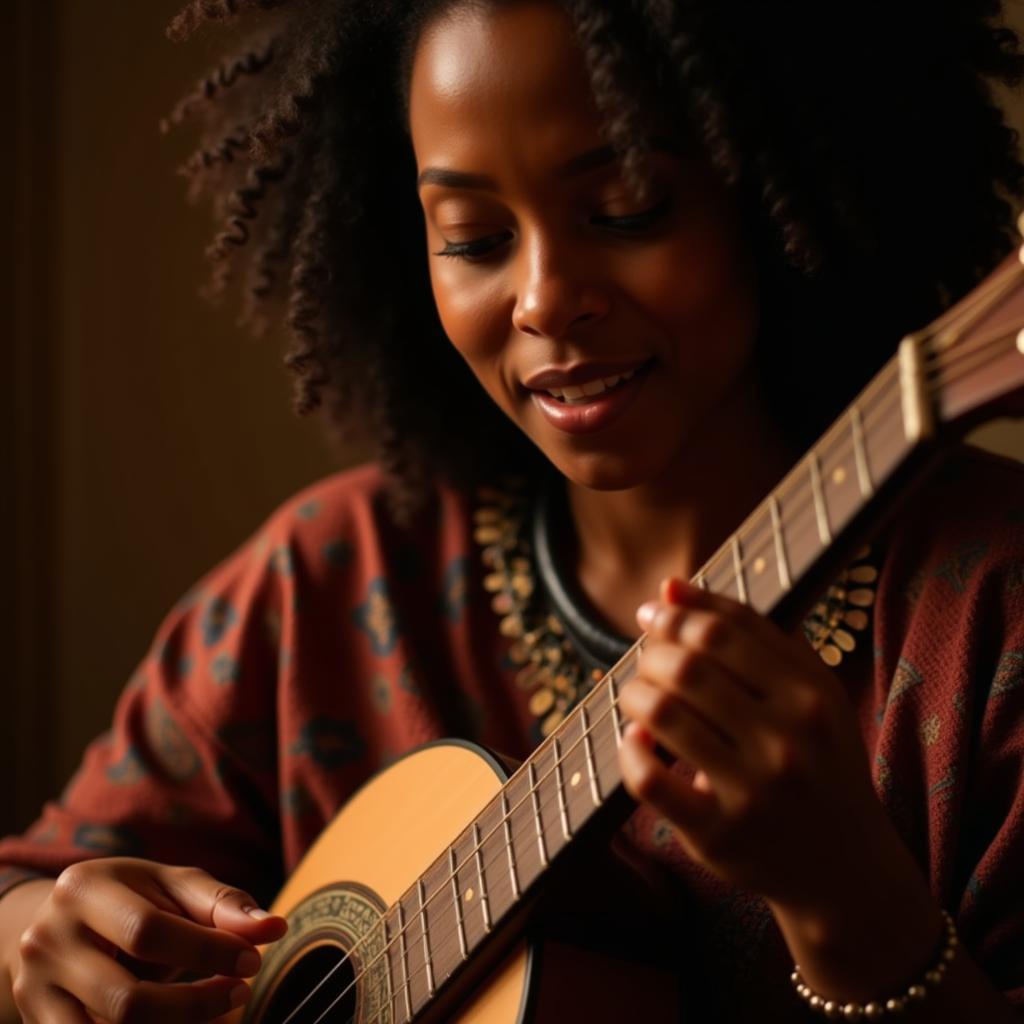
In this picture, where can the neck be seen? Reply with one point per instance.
(627, 540)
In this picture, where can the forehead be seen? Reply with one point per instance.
(507, 79)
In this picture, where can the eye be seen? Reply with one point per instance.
(635, 222)
(475, 250)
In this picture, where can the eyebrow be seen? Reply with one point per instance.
(443, 176)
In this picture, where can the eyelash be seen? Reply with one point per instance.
(479, 248)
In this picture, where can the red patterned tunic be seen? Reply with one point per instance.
(333, 642)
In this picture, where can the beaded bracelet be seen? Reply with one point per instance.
(877, 1009)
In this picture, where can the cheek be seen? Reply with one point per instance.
(476, 317)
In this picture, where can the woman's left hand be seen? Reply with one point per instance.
(781, 802)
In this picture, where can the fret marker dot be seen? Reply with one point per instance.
(1020, 342)
(759, 564)
(838, 475)
(468, 895)
(575, 780)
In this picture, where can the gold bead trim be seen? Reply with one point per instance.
(877, 1009)
(548, 664)
(843, 607)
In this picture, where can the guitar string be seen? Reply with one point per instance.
(760, 539)
(449, 938)
(499, 825)
(940, 371)
(950, 364)
(864, 401)
(531, 790)
(445, 949)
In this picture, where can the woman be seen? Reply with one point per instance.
(638, 227)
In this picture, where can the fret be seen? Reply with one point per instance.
(406, 992)
(494, 872)
(820, 511)
(427, 960)
(572, 778)
(412, 946)
(535, 800)
(460, 924)
(485, 905)
(524, 826)
(781, 561)
(513, 871)
(737, 568)
(563, 811)
(588, 747)
(601, 733)
(613, 700)
(867, 488)
(442, 920)
(798, 521)
(466, 889)
(701, 581)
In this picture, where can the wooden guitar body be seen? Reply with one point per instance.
(372, 852)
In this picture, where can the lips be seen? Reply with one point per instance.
(581, 373)
(592, 404)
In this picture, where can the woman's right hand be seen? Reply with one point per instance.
(109, 926)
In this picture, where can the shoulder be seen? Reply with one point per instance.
(350, 512)
(970, 511)
(953, 569)
(336, 534)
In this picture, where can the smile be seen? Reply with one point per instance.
(591, 405)
(578, 394)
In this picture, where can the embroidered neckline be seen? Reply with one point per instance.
(551, 664)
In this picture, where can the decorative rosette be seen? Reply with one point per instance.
(843, 607)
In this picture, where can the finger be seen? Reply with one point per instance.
(715, 694)
(684, 733)
(650, 781)
(686, 597)
(54, 1007)
(763, 667)
(109, 991)
(117, 913)
(791, 687)
(211, 902)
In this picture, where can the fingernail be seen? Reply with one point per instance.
(247, 964)
(238, 996)
(645, 613)
(256, 913)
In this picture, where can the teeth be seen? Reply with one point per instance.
(575, 394)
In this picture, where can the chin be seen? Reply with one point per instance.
(602, 471)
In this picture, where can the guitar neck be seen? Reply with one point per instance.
(965, 366)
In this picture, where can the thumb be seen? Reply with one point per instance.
(218, 905)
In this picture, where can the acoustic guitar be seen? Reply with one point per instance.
(434, 893)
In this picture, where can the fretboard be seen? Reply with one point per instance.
(571, 784)
(503, 856)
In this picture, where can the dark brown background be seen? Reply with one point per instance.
(143, 436)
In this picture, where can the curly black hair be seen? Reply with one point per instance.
(874, 169)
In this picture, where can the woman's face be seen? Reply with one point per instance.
(612, 330)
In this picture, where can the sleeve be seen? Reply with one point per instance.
(991, 848)
(949, 759)
(170, 781)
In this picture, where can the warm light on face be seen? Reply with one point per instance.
(543, 261)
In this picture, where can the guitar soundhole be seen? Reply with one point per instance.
(314, 988)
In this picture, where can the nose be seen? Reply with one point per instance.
(557, 292)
